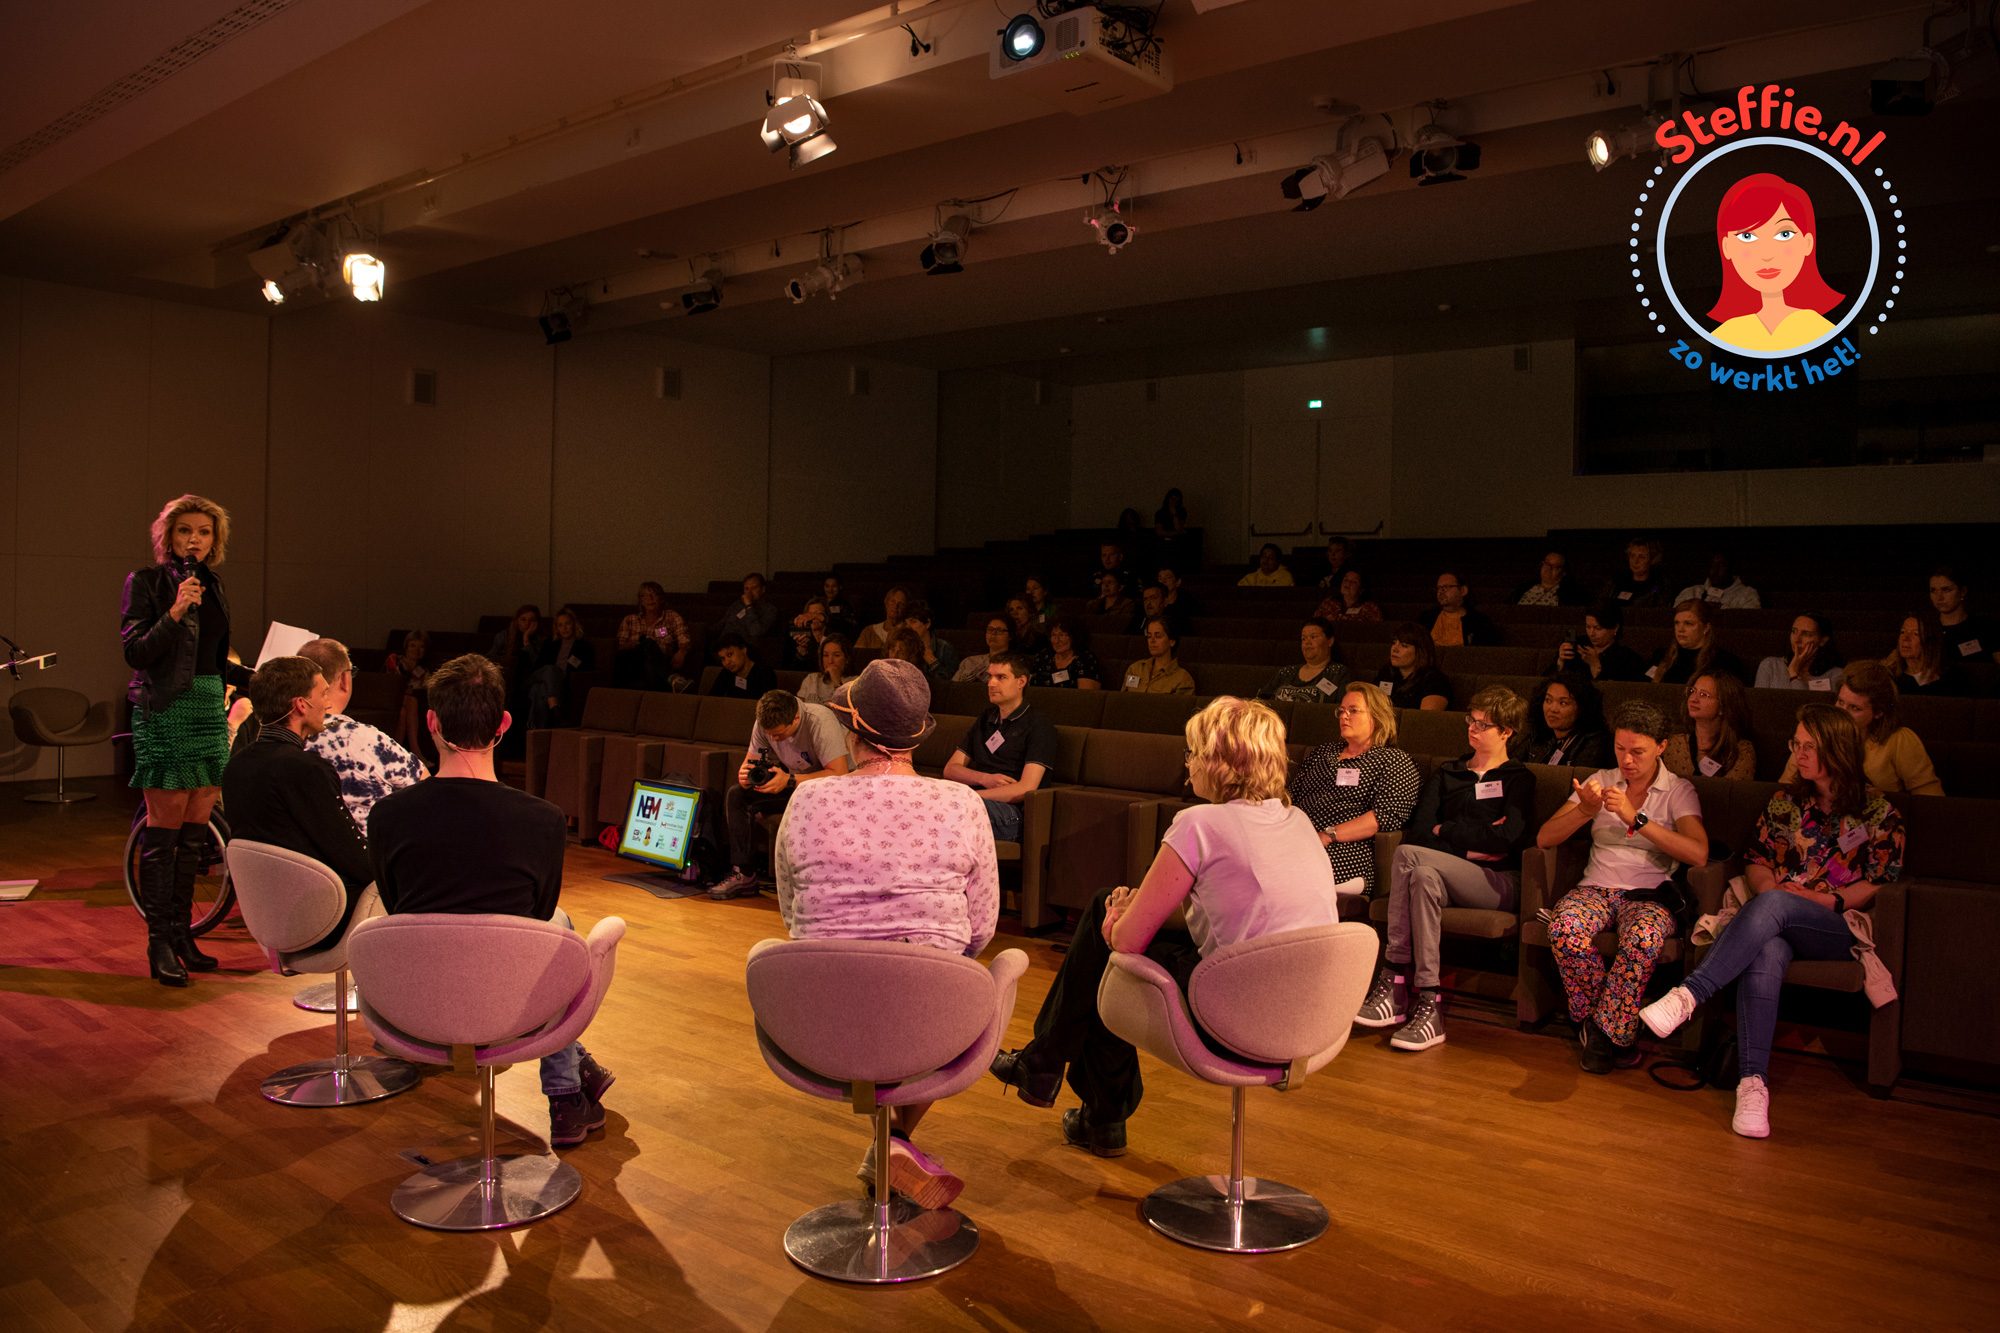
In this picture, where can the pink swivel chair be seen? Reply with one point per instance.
(878, 1024)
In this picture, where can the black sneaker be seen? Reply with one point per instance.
(596, 1078)
(572, 1117)
(1034, 1086)
(1601, 1055)
(1106, 1140)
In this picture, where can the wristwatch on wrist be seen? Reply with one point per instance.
(1839, 903)
(1641, 822)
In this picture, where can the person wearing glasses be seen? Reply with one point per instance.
(1566, 724)
(1553, 586)
(1462, 849)
(999, 639)
(1815, 664)
(1411, 678)
(1456, 622)
(1824, 846)
(1893, 757)
(1644, 821)
(1717, 742)
(1357, 787)
(1319, 679)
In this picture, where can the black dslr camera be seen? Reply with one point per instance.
(762, 769)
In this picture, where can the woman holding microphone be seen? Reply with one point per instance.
(176, 633)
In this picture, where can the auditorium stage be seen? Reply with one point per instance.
(1487, 1184)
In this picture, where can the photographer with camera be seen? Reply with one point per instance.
(1595, 648)
(790, 743)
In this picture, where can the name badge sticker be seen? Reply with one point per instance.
(1386, 686)
(743, 682)
(1970, 648)
(994, 742)
(1347, 777)
(1060, 676)
(1131, 682)
(1326, 686)
(1487, 791)
(1853, 836)
(1818, 683)
(1624, 596)
(1555, 756)
(1709, 767)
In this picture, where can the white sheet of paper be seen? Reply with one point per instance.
(283, 640)
(14, 890)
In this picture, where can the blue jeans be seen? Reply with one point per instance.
(1755, 949)
(559, 1076)
(1006, 819)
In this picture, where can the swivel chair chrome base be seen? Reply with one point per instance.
(60, 796)
(319, 999)
(881, 1239)
(1232, 1213)
(488, 1192)
(345, 1080)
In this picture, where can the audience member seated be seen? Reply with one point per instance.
(1454, 621)
(1696, 649)
(1339, 560)
(1040, 600)
(806, 633)
(840, 614)
(1967, 638)
(1823, 848)
(1008, 749)
(939, 660)
(1110, 560)
(1815, 663)
(791, 744)
(1553, 586)
(999, 639)
(1270, 571)
(1180, 601)
(1717, 742)
(905, 646)
(565, 653)
(1111, 599)
(409, 664)
(844, 872)
(466, 843)
(1067, 663)
(1411, 679)
(1319, 679)
(1640, 583)
(1636, 848)
(1462, 849)
(1918, 662)
(1566, 724)
(1893, 757)
(1722, 588)
(1596, 648)
(278, 791)
(1170, 522)
(740, 678)
(1357, 787)
(368, 764)
(1153, 606)
(752, 616)
(1238, 868)
(1349, 601)
(894, 603)
(516, 650)
(653, 644)
(818, 687)
(1029, 638)
(1159, 672)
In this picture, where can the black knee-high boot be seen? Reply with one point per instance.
(157, 849)
(187, 864)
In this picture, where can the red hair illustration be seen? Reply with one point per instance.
(1748, 205)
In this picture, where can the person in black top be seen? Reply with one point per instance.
(463, 842)
(1462, 848)
(1067, 662)
(1180, 602)
(1566, 724)
(1411, 678)
(840, 617)
(175, 630)
(562, 655)
(1696, 651)
(1596, 648)
(1008, 750)
(1110, 560)
(1640, 583)
(1966, 637)
(740, 678)
(278, 791)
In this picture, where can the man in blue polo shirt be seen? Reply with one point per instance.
(1008, 750)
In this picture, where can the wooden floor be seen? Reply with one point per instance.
(1486, 1184)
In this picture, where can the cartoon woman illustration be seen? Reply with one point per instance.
(1773, 298)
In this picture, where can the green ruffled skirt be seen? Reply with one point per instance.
(185, 745)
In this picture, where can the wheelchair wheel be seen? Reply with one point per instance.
(213, 896)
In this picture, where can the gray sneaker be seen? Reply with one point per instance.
(738, 885)
(1425, 1028)
(1387, 1003)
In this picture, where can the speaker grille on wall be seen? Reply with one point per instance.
(1524, 358)
(857, 381)
(424, 388)
(666, 382)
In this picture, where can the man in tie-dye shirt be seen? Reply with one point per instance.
(369, 764)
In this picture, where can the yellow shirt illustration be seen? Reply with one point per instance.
(1794, 330)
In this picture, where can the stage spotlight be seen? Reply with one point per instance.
(274, 293)
(291, 261)
(1113, 232)
(365, 275)
(946, 252)
(797, 118)
(1338, 175)
(832, 276)
(1603, 147)
(1437, 157)
(1022, 38)
(704, 295)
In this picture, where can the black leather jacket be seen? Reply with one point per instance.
(161, 650)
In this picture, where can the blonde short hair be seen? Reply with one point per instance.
(1381, 712)
(163, 527)
(1237, 746)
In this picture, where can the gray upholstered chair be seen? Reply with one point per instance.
(59, 719)
(481, 993)
(289, 903)
(1286, 1002)
(879, 1024)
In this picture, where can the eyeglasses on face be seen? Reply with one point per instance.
(1800, 747)
(1478, 726)
(1351, 711)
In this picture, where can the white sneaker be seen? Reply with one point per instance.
(1668, 1012)
(1753, 1109)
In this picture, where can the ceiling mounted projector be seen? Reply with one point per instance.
(1081, 61)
